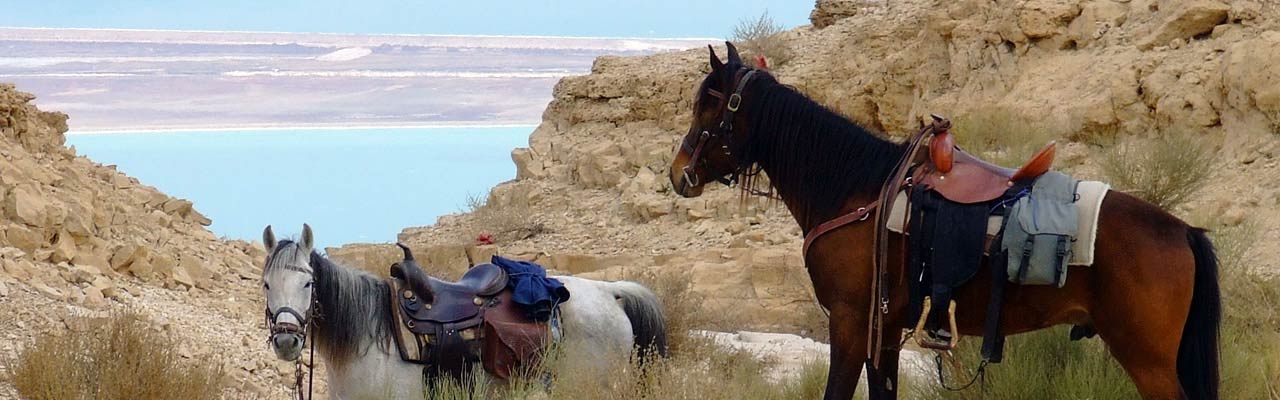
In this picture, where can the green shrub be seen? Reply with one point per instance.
(762, 36)
(124, 359)
(1165, 171)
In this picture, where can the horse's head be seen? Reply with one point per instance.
(707, 152)
(289, 283)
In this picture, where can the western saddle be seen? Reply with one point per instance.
(963, 178)
(450, 326)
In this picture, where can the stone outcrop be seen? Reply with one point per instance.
(72, 227)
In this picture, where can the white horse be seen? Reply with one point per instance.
(351, 324)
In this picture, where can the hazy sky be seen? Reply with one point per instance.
(638, 18)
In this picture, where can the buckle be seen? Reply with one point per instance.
(735, 100)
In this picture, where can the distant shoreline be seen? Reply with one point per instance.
(289, 127)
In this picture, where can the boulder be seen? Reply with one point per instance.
(827, 12)
(64, 247)
(1045, 18)
(25, 204)
(22, 237)
(1186, 21)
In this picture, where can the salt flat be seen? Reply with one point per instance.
(146, 79)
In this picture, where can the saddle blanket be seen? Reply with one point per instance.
(1090, 202)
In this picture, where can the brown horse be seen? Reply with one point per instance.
(1152, 294)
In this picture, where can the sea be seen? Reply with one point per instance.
(351, 184)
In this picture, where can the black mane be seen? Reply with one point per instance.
(812, 154)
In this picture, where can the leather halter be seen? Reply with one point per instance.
(724, 132)
(305, 330)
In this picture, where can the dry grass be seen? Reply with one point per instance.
(1002, 136)
(1165, 171)
(696, 369)
(124, 359)
(762, 36)
(506, 222)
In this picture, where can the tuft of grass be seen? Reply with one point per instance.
(1165, 171)
(762, 36)
(1037, 365)
(506, 222)
(125, 359)
(1001, 136)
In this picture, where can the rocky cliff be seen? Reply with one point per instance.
(79, 238)
(593, 179)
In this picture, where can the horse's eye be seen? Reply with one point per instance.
(308, 285)
(266, 286)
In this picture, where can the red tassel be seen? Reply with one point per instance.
(760, 62)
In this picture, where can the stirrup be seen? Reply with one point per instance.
(926, 340)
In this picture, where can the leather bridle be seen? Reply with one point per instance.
(277, 328)
(723, 133)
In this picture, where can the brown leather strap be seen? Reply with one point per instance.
(861, 214)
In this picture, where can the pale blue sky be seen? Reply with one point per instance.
(642, 18)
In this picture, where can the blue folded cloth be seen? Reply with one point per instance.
(532, 288)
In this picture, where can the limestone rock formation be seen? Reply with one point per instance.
(64, 212)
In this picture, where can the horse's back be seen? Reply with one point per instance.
(594, 317)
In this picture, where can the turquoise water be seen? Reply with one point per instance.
(351, 185)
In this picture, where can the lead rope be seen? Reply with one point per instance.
(978, 376)
(311, 365)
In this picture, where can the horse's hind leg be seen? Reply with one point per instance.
(1143, 329)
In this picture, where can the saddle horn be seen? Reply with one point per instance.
(417, 280)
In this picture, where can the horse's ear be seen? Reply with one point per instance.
(268, 239)
(734, 58)
(716, 65)
(307, 238)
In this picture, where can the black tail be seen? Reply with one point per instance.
(1198, 354)
(648, 323)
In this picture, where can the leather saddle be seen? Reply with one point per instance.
(963, 178)
(451, 326)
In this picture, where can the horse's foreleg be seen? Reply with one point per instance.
(882, 382)
(848, 352)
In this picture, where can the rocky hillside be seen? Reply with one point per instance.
(79, 238)
(592, 198)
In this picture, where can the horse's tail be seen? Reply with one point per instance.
(1198, 353)
(648, 323)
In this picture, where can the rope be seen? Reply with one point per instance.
(978, 375)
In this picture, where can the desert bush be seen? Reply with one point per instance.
(1001, 135)
(124, 359)
(762, 36)
(1165, 171)
(507, 222)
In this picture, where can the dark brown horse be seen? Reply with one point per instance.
(1152, 293)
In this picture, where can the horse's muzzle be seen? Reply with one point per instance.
(287, 345)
